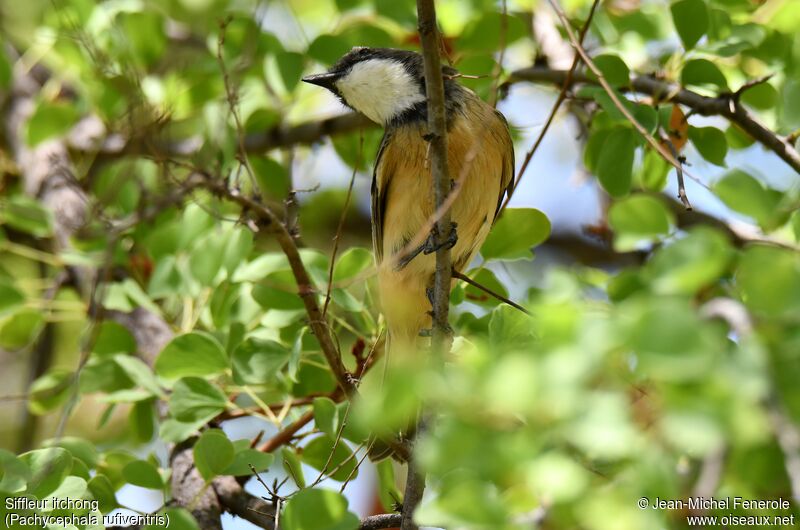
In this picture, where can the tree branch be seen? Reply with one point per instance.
(440, 172)
(235, 500)
(385, 520)
(307, 291)
(116, 146)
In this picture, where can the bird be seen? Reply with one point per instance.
(387, 85)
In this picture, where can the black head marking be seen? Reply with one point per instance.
(410, 60)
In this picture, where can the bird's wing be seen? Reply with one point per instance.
(378, 194)
(507, 176)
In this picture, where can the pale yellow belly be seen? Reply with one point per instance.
(476, 162)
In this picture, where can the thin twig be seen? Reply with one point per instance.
(284, 436)
(305, 285)
(498, 67)
(562, 95)
(681, 186)
(233, 100)
(610, 90)
(467, 279)
(339, 229)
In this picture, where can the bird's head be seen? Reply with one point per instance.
(381, 83)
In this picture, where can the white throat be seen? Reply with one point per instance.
(380, 89)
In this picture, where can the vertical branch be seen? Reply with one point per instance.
(437, 136)
(415, 487)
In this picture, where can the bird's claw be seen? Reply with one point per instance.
(432, 246)
(429, 246)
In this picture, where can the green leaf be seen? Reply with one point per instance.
(15, 473)
(21, 329)
(388, 491)
(72, 487)
(654, 171)
(690, 263)
(50, 119)
(179, 519)
(737, 138)
(194, 399)
(141, 421)
(48, 467)
(27, 215)
(5, 71)
(174, 431)
(762, 96)
(193, 353)
(486, 32)
(637, 218)
(318, 509)
(347, 301)
(795, 223)
(351, 263)
(711, 143)
(271, 176)
(50, 390)
(82, 449)
(145, 34)
(10, 297)
(213, 453)
(103, 492)
(509, 327)
(691, 20)
(743, 193)
(261, 267)
(701, 73)
(326, 416)
(515, 233)
(238, 247)
(111, 465)
(292, 466)
(249, 457)
(112, 338)
(486, 278)
(207, 257)
(615, 163)
(559, 475)
(401, 11)
(327, 49)
(278, 291)
(672, 342)
(290, 66)
(790, 103)
(353, 148)
(140, 373)
(143, 474)
(613, 68)
(257, 361)
(769, 280)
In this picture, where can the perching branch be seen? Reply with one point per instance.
(440, 172)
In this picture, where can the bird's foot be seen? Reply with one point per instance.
(430, 246)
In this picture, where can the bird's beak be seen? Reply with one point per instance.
(326, 80)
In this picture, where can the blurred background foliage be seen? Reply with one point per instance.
(661, 355)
